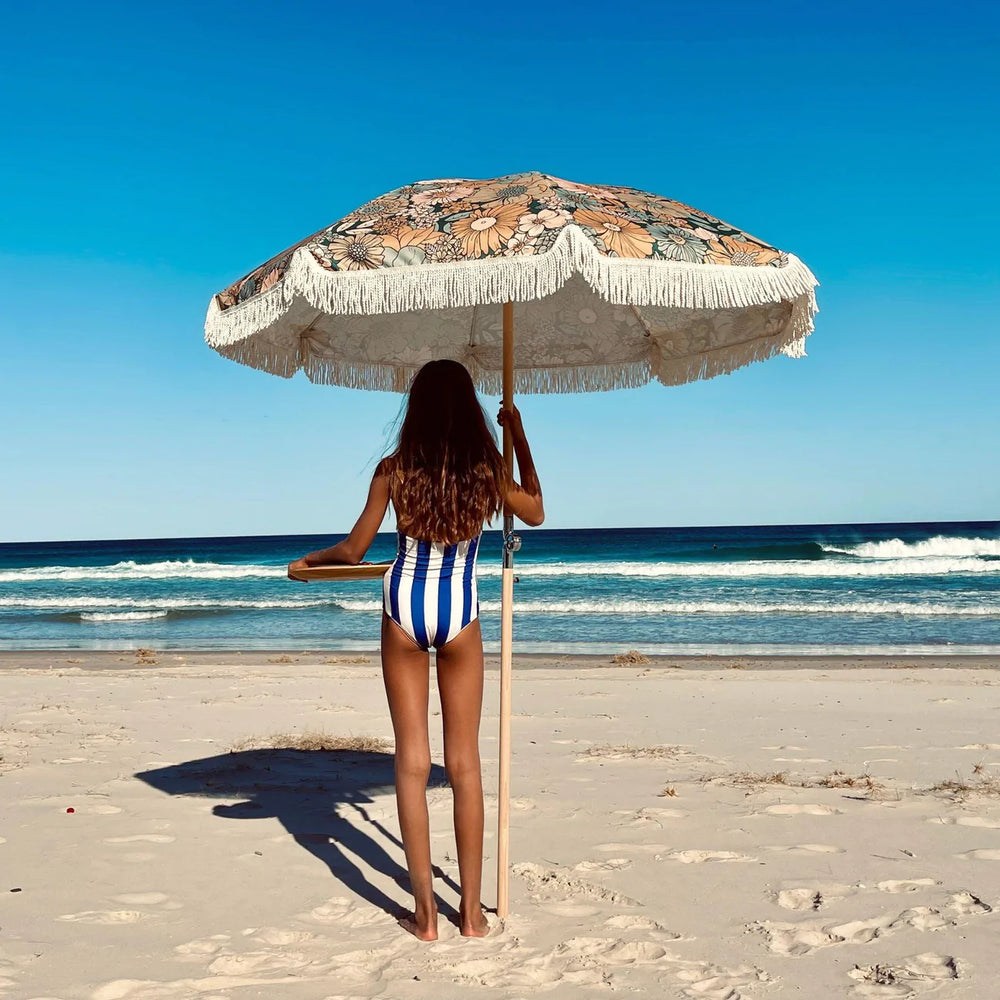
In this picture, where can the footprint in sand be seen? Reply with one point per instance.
(364, 965)
(579, 961)
(611, 951)
(812, 897)
(905, 884)
(566, 908)
(255, 963)
(980, 822)
(552, 883)
(209, 988)
(968, 905)
(200, 948)
(104, 917)
(611, 865)
(633, 922)
(704, 981)
(635, 848)
(105, 810)
(804, 849)
(809, 936)
(807, 809)
(699, 857)
(901, 979)
(148, 899)
(143, 838)
(640, 817)
(342, 911)
(988, 854)
(282, 936)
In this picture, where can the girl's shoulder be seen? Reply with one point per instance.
(389, 468)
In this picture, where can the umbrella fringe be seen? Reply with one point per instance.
(581, 378)
(725, 360)
(619, 280)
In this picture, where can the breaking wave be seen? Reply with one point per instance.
(939, 546)
(124, 616)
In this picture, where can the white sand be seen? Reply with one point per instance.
(268, 873)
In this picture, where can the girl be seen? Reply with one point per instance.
(444, 479)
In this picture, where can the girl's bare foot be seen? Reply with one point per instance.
(423, 926)
(474, 924)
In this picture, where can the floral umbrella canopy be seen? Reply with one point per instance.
(612, 287)
(607, 287)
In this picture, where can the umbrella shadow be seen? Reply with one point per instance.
(319, 796)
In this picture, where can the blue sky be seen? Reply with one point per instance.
(152, 154)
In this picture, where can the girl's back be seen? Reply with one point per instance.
(446, 477)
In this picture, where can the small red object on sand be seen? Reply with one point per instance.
(70, 809)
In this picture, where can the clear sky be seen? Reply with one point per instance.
(151, 154)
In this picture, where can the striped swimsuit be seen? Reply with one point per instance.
(430, 590)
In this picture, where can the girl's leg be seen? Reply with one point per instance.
(405, 671)
(460, 682)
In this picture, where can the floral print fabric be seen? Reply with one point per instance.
(446, 221)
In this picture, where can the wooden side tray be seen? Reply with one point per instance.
(369, 571)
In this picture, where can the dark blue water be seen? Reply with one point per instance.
(874, 587)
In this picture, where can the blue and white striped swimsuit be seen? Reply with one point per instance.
(430, 590)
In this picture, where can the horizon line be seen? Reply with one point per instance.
(391, 531)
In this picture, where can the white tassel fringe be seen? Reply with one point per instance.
(441, 286)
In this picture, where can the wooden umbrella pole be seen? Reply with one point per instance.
(506, 629)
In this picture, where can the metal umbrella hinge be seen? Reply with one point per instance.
(511, 544)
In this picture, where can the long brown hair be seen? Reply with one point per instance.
(446, 474)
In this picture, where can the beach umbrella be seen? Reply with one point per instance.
(606, 286)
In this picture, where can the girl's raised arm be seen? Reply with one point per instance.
(353, 548)
(524, 499)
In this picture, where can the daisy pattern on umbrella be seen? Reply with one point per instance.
(677, 243)
(533, 224)
(618, 236)
(486, 230)
(357, 251)
(740, 253)
(405, 246)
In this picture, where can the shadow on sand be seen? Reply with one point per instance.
(319, 796)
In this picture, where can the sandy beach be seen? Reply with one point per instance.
(703, 828)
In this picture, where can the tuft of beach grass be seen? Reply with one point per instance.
(747, 779)
(628, 750)
(315, 740)
(982, 783)
(630, 657)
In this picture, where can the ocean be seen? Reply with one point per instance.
(847, 588)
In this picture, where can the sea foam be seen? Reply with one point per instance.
(174, 569)
(940, 545)
(125, 616)
(154, 603)
(722, 608)
(911, 566)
